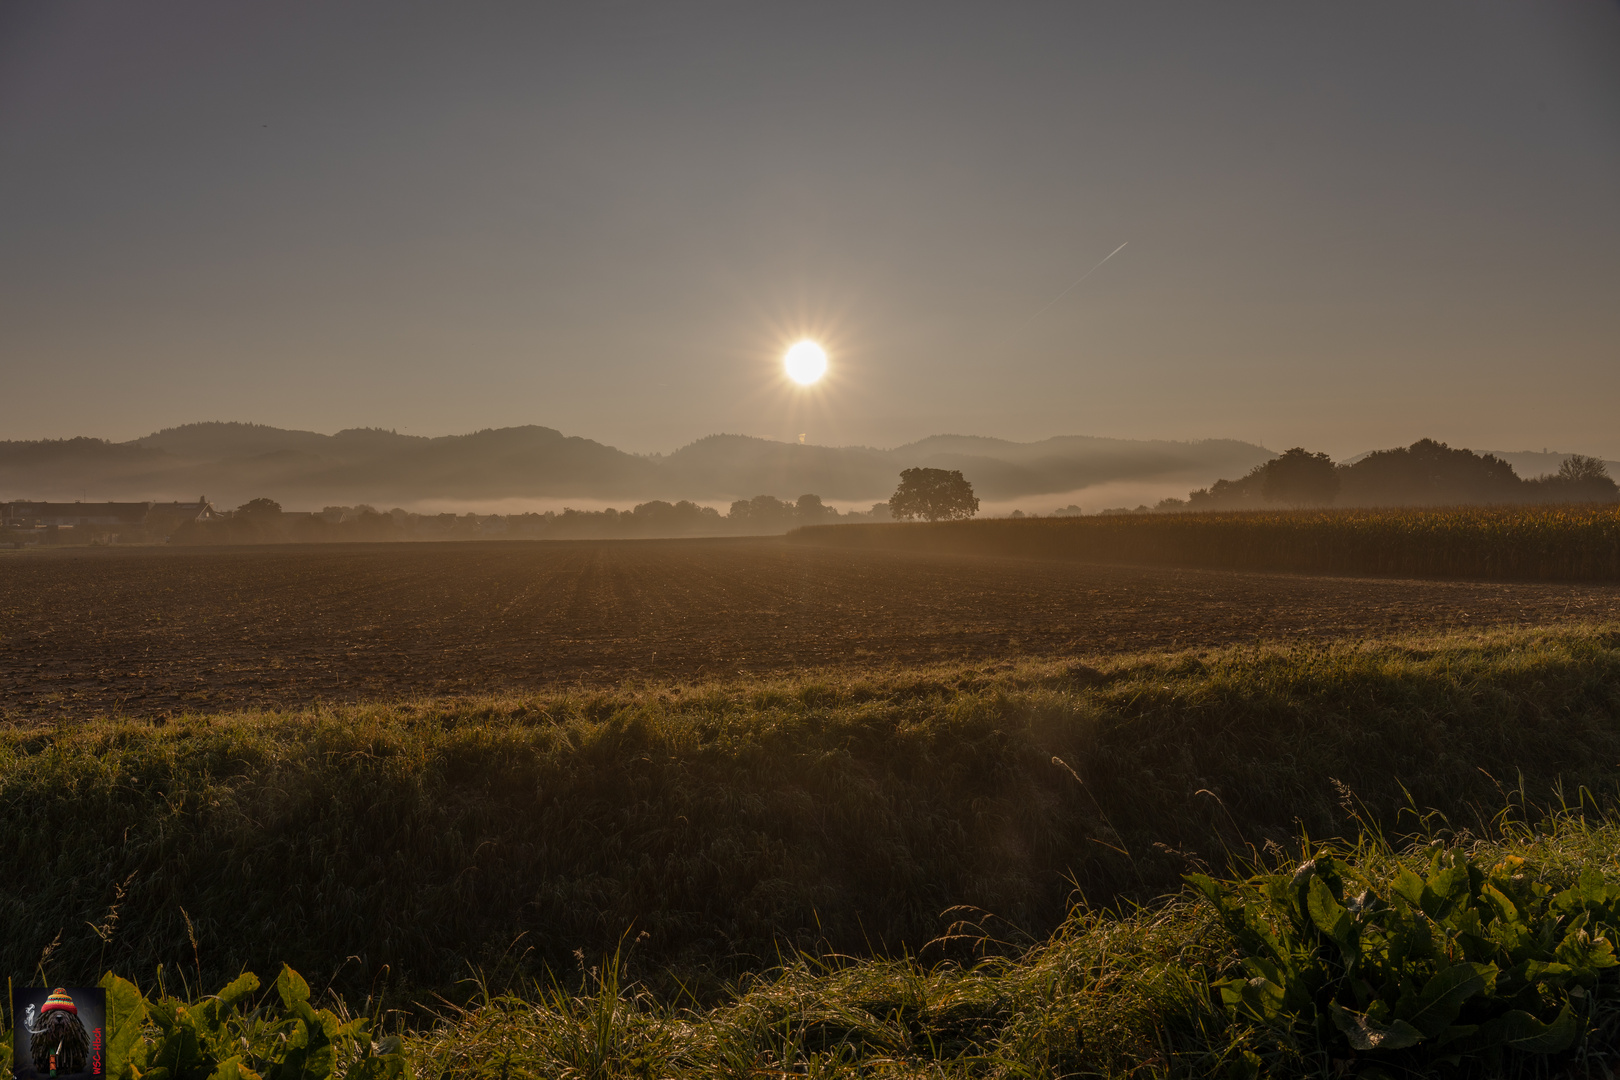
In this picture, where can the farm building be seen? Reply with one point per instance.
(152, 518)
(164, 517)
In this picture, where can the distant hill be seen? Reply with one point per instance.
(233, 462)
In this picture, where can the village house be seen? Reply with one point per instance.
(150, 520)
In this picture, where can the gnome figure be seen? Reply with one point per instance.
(59, 1043)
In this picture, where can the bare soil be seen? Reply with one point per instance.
(151, 631)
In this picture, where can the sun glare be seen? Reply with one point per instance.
(806, 362)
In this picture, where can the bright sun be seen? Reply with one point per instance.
(805, 362)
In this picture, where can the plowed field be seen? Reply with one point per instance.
(147, 631)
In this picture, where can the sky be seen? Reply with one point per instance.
(1346, 226)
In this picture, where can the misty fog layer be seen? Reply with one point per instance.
(232, 463)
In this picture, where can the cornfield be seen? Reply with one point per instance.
(1538, 543)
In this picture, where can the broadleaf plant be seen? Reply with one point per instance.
(225, 1036)
(1416, 969)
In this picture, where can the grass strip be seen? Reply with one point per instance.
(732, 823)
(1185, 987)
(1447, 954)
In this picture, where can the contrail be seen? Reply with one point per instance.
(1075, 282)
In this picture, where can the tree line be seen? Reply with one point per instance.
(1427, 473)
(264, 521)
(930, 494)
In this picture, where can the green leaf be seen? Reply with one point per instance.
(1465, 920)
(1329, 915)
(1589, 892)
(322, 1057)
(1258, 997)
(1246, 1065)
(1553, 974)
(291, 1065)
(1513, 938)
(352, 1030)
(382, 1066)
(1593, 889)
(179, 1052)
(238, 989)
(1365, 1033)
(1441, 999)
(126, 1009)
(1450, 886)
(1502, 908)
(1586, 954)
(1265, 969)
(310, 1054)
(164, 1013)
(233, 1069)
(1522, 1031)
(1455, 1032)
(1206, 885)
(1409, 887)
(1409, 937)
(292, 987)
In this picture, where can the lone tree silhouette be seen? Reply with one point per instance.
(1580, 469)
(1583, 479)
(933, 494)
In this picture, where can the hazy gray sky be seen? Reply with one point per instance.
(1348, 225)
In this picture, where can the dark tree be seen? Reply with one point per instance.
(1429, 473)
(1580, 469)
(1241, 493)
(1579, 479)
(1300, 478)
(761, 509)
(259, 508)
(810, 509)
(934, 495)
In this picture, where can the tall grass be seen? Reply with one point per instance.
(1140, 992)
(1446, 953)
(1536, 543)
(389, 847)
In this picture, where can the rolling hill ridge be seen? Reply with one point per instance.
(233, 462)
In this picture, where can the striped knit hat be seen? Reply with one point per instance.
(59, 1000)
